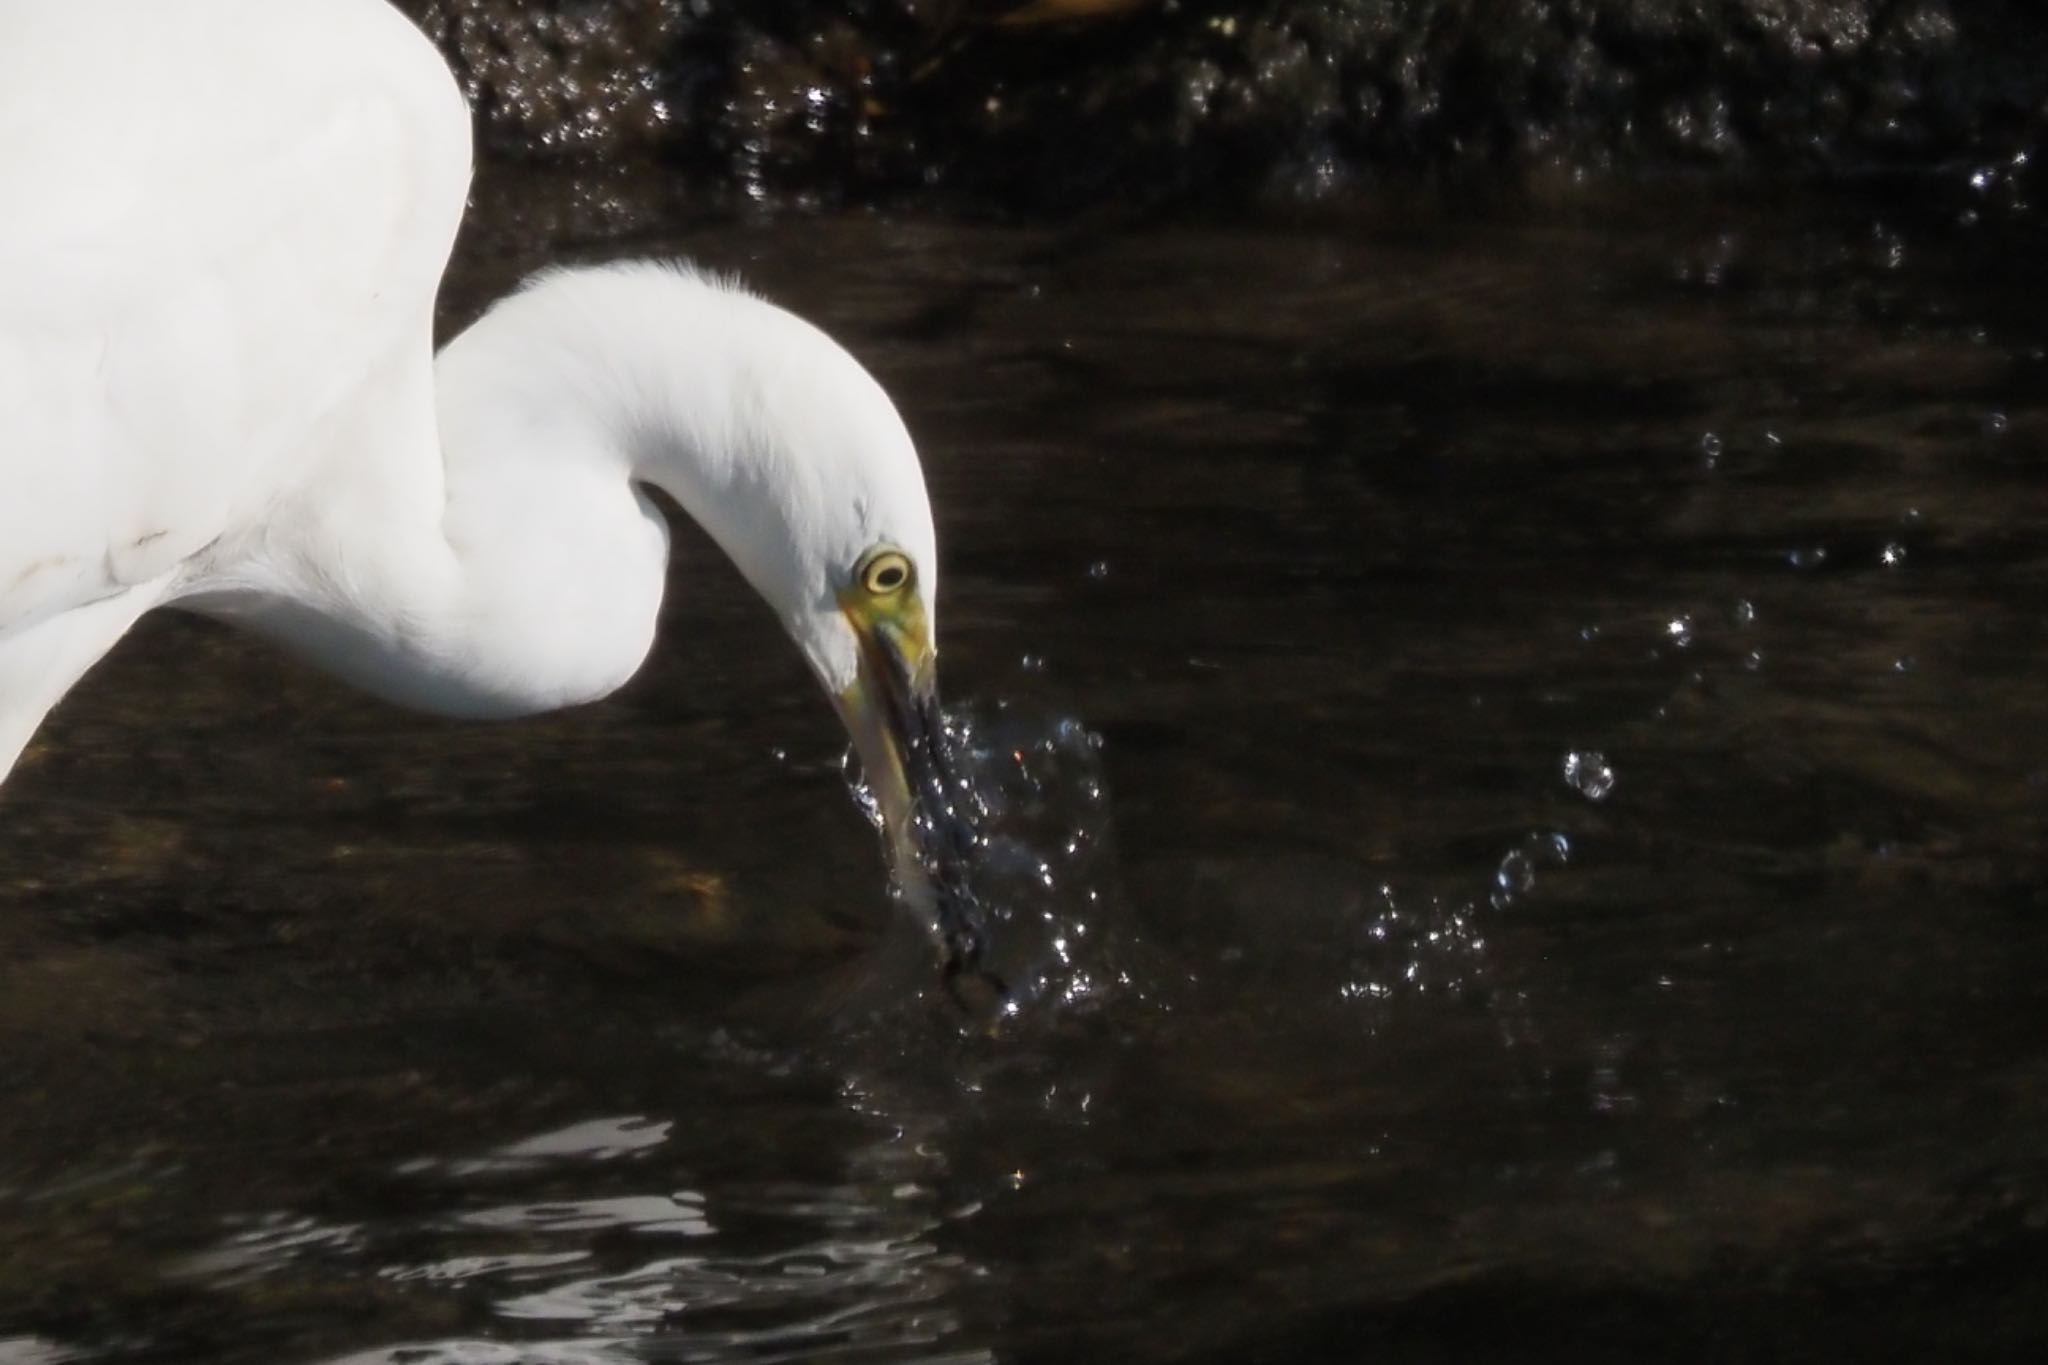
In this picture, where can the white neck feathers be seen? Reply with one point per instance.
(522, 565)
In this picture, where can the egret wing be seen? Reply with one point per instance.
(203, 256)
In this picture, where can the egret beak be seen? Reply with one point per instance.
(892, 712)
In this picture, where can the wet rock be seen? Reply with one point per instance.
(552, 79)
(1051, 103)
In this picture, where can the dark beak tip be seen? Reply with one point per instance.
(941, 823)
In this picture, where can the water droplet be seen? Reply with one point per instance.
(1996, 424)
(1586, 772)
(1892, 555)
(1753, 660)
(857, 785)
(1099, 570)
(1710, 448)
(1560, 846)
(1032, 663)
(1773, 439)
(1745, 612)
(1905, 663)
(1810, 557)
(780, 755)
(1679, 631)
(1589, 633)
(1514, 877)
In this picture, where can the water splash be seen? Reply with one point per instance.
(1043, 868)
(1025, 829)
(1418, 944)
(1408, 948)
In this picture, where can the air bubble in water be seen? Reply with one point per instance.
(1809, 557)
(1892, 555)
(1679, 631)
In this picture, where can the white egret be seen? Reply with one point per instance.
(225, 224)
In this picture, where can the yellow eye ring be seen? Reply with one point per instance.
(887, 572)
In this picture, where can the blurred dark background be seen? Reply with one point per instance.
(1055, 105)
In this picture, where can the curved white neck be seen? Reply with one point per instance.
(515, 565)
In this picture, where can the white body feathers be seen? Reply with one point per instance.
(226, 223)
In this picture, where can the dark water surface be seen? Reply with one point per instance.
(1534, 732)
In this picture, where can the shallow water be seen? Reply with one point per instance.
(1545, 709)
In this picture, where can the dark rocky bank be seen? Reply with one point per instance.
(1052, 104)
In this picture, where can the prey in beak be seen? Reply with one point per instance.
(892, 712)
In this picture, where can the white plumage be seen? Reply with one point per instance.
(225, 224)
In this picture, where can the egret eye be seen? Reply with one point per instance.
(887, 572)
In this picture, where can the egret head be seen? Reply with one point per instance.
(809, 480)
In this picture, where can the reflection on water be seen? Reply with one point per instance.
(33, 1351)
(1511, 768)
(777, 1270)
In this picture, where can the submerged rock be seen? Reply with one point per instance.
(1049, 103)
